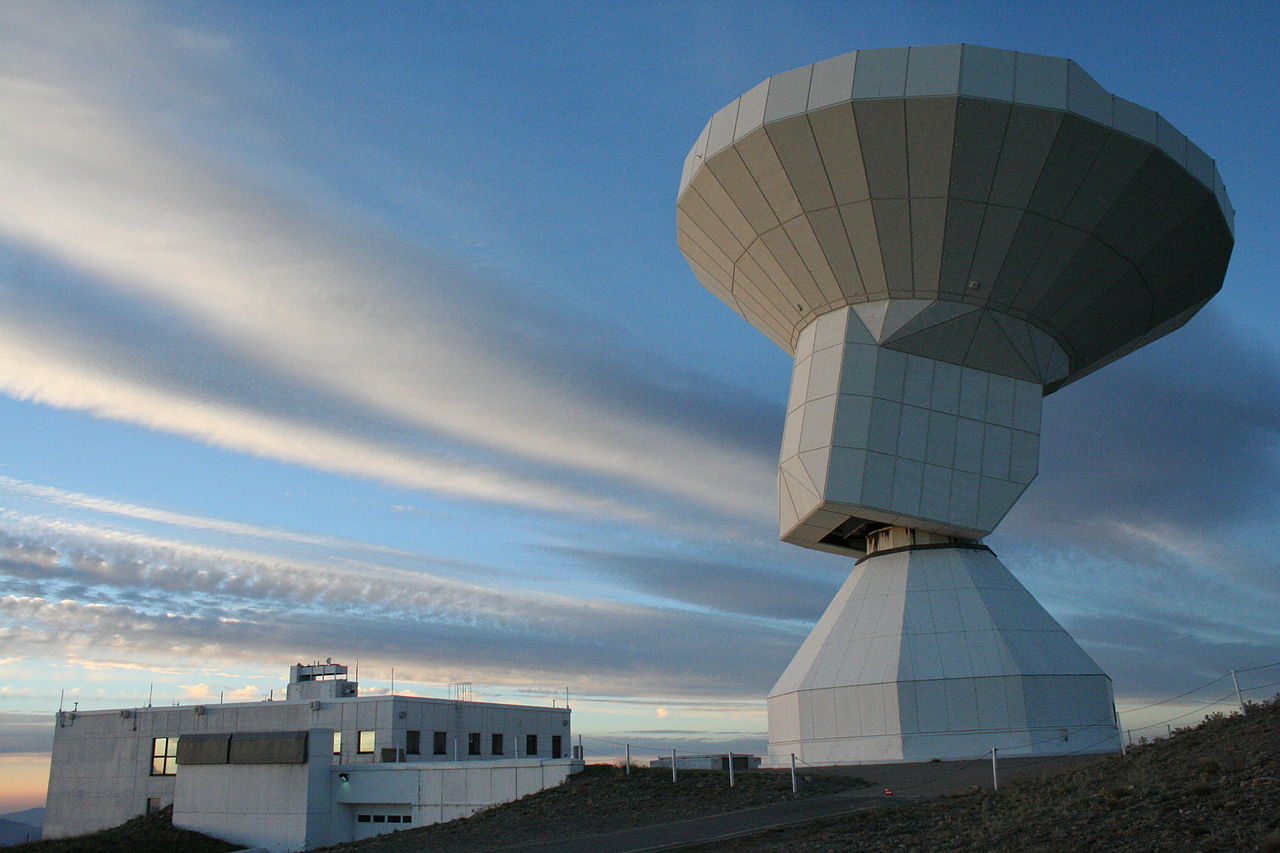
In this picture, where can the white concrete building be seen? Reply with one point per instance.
(323, 766)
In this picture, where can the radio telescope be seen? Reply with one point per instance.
(941, 236)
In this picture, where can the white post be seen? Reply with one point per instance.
(628, 759)
(995, 777)
(673, 765)
(1239, 698)
(455, 749)
(793, 773)
(731, 770)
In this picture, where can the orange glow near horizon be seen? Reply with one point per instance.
(24, 778)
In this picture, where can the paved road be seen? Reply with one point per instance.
(909, 782)
(670, 836)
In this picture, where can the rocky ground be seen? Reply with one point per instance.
(600, 799)
(1215, 787)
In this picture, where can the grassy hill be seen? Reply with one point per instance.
(153, 833)
(1215, 787)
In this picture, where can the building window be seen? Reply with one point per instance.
(412, 742)
(337, 743)
(406, 818)
(496, 743)
(379, 818)
(164, 756)
(473, 743)
(556, 748)
(364, 744)
(440, 743)
(364, 818)
(530, 744)
(153, 805)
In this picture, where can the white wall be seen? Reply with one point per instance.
(280, 807)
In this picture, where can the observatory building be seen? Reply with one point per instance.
(324, 766)
(941, 236)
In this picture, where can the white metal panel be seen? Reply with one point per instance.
(946, 388)
(722, 124)
(832, 81)
(1040, 81)
(1024, 456)
(996, 442)
(1170, 140)
(799, 383)
(788, 93)
(881, 73)
(1000, 395)
(942, 440)
(891, 370)
(1200, 164)
(1086, 98)
(986, 72)
(935, 492)
(853, 421)
(913, 434)
(829, 329)
(791, 433)
(819, 418)
(1135, 120)
(933, 70)
(751, 110)
(917, 388)
(973, 394)
(968, 447)
(858, 373)
(824, 373)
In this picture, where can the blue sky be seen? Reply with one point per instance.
(360, 330)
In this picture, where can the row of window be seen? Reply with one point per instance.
(164, 750)
(384, 818)
(440, 743)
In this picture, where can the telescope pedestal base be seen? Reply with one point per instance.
(938, 652)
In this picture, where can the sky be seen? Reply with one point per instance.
(358, 330)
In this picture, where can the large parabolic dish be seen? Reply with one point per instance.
(940, 236)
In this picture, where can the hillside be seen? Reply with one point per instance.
(1215, 787)
(599, 799)
(153, 833)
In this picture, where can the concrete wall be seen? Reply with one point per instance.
(100, 774)
(290, 807)
(279, 807)
(436, 793)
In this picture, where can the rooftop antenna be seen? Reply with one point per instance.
(938, 251)
(150, 689)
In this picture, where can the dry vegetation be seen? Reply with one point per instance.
(153, 833)
(600, 799)
(1215, 787)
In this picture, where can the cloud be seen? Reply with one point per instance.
(125, 601)
(23, 733)
(779, 591)
(367, 355)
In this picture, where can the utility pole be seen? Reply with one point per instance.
(1239, 698)
(995, 776)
